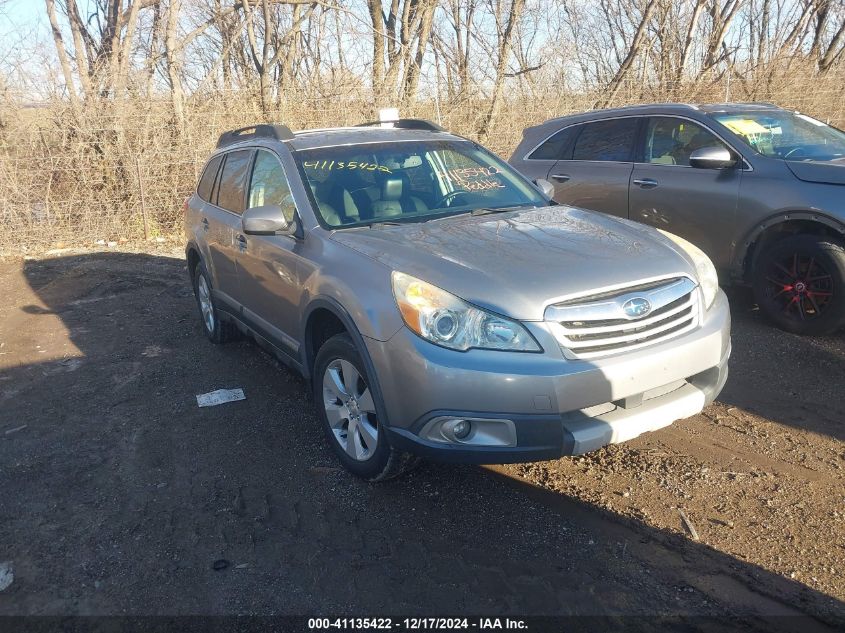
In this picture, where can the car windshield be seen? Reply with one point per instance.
(787, 135)
(355, 185)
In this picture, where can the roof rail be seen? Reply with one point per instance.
(407, 124)
(259, 130)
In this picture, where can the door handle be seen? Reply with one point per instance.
(646, 183)
(561, 177)
(205, 224)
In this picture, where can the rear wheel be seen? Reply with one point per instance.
(216, 329)
(799, 284)
(347, 409)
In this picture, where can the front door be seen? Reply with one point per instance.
(667, 193)
(597, 174)
(267, 264)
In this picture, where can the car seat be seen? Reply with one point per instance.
(395, 197)
(334, 198)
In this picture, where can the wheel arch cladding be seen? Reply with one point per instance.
(193, 257)
(780, 226)
(328, 314)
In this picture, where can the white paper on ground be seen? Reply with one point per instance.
(219, 397)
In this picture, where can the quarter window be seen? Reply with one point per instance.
(610, 140)
(269, 185)
(207, 180)
(233, 181)
(555, 146)
(670, 141)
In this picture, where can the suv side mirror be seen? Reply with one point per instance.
(712, 158)
(547, 188)
(267, 219)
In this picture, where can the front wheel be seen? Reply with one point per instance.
(347, 409)
(799, 284)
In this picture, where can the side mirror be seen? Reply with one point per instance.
(712, 158)
(267, 219)
(547, 188)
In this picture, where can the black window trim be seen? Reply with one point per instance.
(639, 157)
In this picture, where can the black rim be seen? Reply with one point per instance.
(799, 287)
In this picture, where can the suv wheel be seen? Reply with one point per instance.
(799, 284)
(216, 329)
(347, 409)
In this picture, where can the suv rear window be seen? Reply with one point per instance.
(233, 181)
(207, 180)
(610, 140)
(556, 145)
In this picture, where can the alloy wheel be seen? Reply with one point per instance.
(799, 286)
(206, 307)
(350, 410)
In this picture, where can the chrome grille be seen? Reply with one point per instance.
(598, 325)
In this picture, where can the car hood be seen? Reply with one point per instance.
(517, 263)
(826, 172)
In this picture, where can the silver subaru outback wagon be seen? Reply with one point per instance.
(440, 305)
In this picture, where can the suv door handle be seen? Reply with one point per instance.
(646, 183)
(205, 224)
(561, 177)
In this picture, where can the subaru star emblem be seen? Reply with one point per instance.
(637, 307)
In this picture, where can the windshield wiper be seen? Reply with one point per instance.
(489, 210)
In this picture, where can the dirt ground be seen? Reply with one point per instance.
(118, 495)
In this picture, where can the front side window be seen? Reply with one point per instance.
(670, 140)
(233, 181)
(610, 140)
(412, 181)
(787, 135)
(206, 183)
(269, 185)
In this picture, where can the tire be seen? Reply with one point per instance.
(217, 330)
(345, 401)
(799, 284)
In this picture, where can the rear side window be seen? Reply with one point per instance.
(556, 145)
(233, 181)
(610, 140)
(207, 180)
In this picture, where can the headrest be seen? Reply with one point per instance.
(391, 189)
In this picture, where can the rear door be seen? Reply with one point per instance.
(267, 264)
(595, 170)
(667, 193)
(224, 222)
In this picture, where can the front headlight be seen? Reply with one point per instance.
(447, 320)
(704, 269)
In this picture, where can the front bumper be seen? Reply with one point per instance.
(557, 406)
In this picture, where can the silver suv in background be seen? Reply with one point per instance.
(439, 305)
(760, 189)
